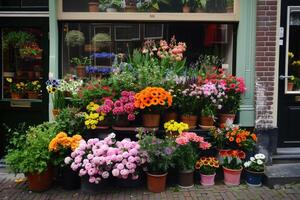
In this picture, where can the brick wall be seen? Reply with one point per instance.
(265, 61)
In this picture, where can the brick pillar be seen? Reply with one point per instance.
(266, 26)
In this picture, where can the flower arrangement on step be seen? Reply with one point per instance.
(123, 109)
(207, 167)
(232, 166)
(188, 146)
(255, 168)
(173, 128)
(151, 101)
(159, 159)
(70, 85)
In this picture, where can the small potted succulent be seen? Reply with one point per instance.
(255, 168)
(207, 167)
(81, 63)
(33, 89)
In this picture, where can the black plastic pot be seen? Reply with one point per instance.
(87, 187)
(70, 179)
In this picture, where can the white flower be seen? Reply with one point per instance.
(247, 164)
(260, 162)
(252, 159)
(260, 156)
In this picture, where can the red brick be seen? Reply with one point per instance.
(270, 53)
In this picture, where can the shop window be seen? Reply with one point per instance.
(22, 63)
(24, 4)
(98, 46)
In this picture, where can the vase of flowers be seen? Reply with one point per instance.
(232, 166)
(33, 89)
(159, 158)
(81, 63)
(61, 146)
(152, 101)
(173, 128)
(207, 167)
(186, 154)
(255, 168)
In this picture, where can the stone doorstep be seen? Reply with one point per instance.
(279, 174)
(288, 151)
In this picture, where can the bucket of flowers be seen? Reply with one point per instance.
(186, 154)
(255, 168)
(173, 128)
(207, 167)
(151, 102)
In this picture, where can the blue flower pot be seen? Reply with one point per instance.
(254, 178)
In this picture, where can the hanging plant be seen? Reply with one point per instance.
(74, 38)
(17, 39)
(101, 40)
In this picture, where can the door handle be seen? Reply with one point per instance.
(282, 77)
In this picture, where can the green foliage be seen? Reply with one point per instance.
(207, 170)
(34, 155)
(58, 100)
(81, 61)
(151, 5)
(101, 40)
(159, 151)
(232, 162)
(16, 137)
(201, 3)
(185, 156)
(70, 121)
(74, 38)
(17, 39)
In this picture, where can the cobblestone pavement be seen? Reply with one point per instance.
(10, 190)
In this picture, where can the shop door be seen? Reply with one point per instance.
(289, 75)
(24, 70)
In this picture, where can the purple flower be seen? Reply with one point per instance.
(168, 150)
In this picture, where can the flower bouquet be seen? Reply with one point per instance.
(207, 167)
(255, 168)
(188, 146)
(151, 101)
(173, 128)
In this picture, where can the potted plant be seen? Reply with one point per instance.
(33, 158)
(60, 147)
(232, 166)
(185, 156)
(130, 5)
(122, 109)
(93, 5)
(186, 7)
(235, 87)
(189, 104)
(159, 158)
(229, 6)
(81, 63)
(94, 117)
(152, 6)
(151, 101)
(207, 167)
(33, 89)
(101, 40)
(17, 90)
(255, 168)
(57, 96)
(200, 6)
(74, 38)
(113, 5)
(173, 128)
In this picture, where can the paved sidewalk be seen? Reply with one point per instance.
(10, 190)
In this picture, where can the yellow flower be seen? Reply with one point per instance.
(9, 80)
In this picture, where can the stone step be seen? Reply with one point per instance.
(288, 151)
(285, 158)
(279, 174)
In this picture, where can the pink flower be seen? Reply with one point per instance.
(92, 179)
(182, 140)
(105, 175)
(108, 102)
(134, 177)
(90, 156)
(124, 99)
(78, 159)
(125, 93)
(115, 172)
(124, 172)
(120, 166)
(131, 117)
(82, 172)
(68, 160)
(118, 103)
(204, 145)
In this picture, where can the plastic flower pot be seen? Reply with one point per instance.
(186, 179)
(232, 176)
(170, 116)
(70, 179)
(87, 187)
(39, 182)
(93, 6)
(254, 178)
(32, 95)
(290, 86)
(191, 120)
(80, 71)
(224, 117)
(206, 121)
(151, 120)
(15, 95)
(156, 183)
(207, 180)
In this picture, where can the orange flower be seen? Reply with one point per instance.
(238, 140)
(198, 165)
(253, 136)
(243, 138)
(231, 139)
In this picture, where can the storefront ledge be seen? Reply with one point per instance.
(246, 116)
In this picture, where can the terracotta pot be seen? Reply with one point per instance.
(232, 176)
(186, 179)
(151, 120)
(156, 183)
(191, 120)
(93, 6)
(207, 180)
(32, 95)
(290, 86)
(40, 182)
(254, 178)
(80, 71)
(224, 117)
(15, 95)
(122, 121)
(111, 10)
(130, 9)
(206, 121)
(55, 112)
(186, 9)
(168, 116)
